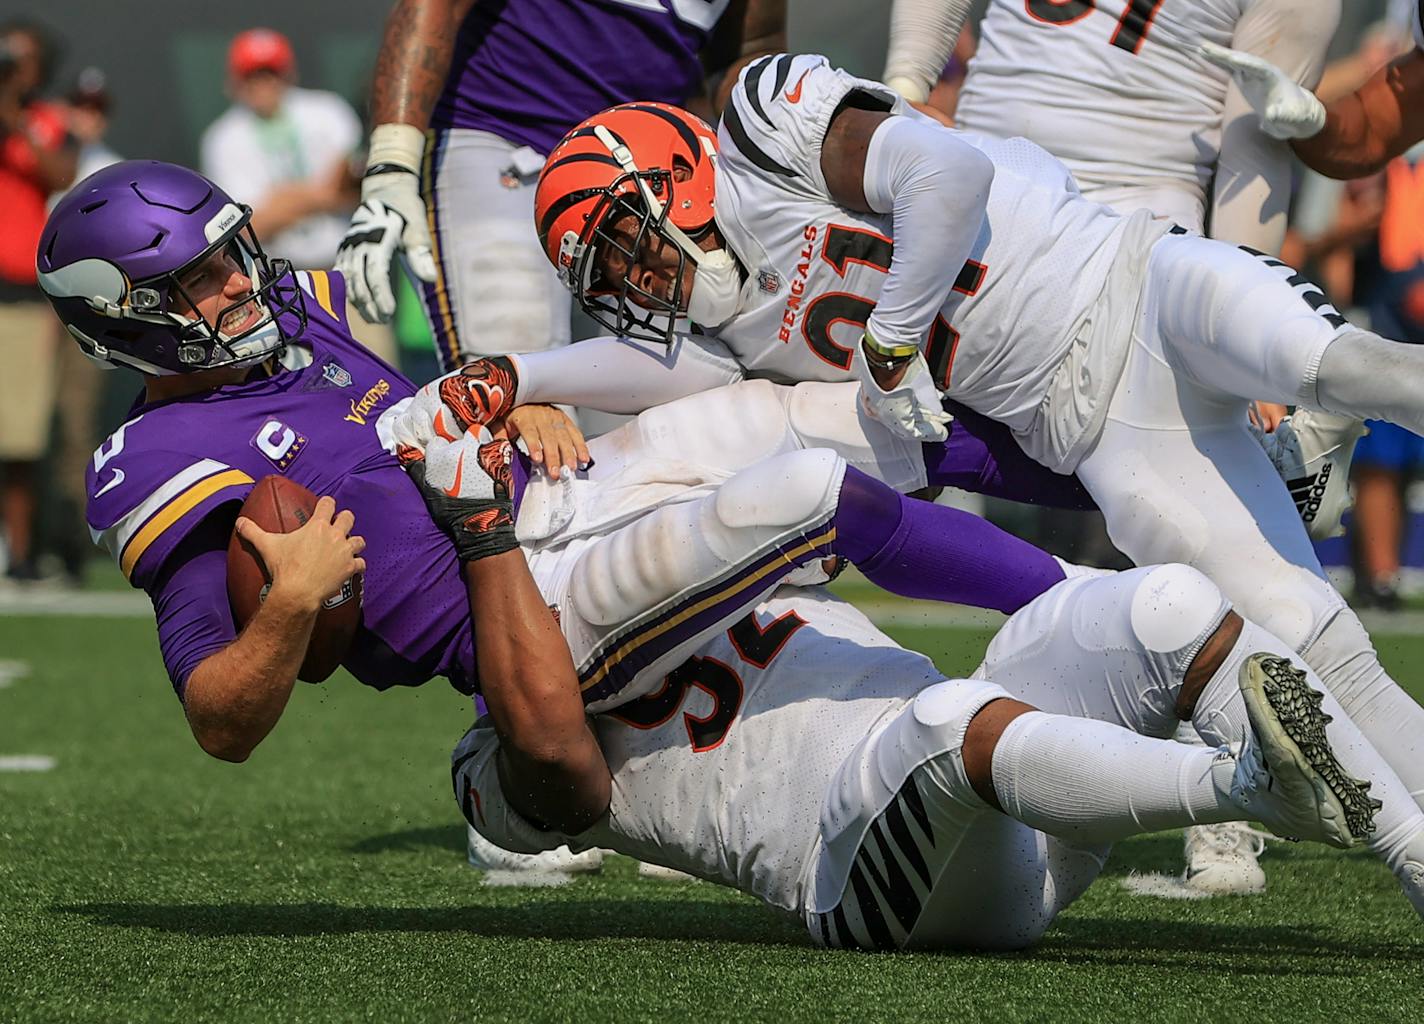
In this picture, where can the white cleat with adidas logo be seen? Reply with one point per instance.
(1311, 451)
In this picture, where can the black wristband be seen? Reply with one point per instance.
(881, 361)
(486, 531)
(375, 169)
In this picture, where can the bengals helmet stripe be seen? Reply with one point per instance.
(561, 205)
(598, 158)
(679, 125)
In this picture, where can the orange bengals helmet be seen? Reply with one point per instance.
(648, 160)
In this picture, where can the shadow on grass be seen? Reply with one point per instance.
(1238, 948)
(538, 914)
(1171, 945)
(442, 837)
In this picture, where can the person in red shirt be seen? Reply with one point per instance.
(37, 158)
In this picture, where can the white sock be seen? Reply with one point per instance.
(1220, 717)
(1093, 782)
(1372, 378)
(1390, 718)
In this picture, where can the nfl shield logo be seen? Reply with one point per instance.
(769, 281)
(336, 374)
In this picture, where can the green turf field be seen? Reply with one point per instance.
(324, 881)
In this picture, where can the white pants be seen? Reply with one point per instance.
(497, 291)
(690, 515)
(901, 813)
(1179, 478)
(1175, 471)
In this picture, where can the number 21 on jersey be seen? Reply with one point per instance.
(1131, 31)
(846, 245)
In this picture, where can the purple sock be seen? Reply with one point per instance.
(918, 549)
(982, 456)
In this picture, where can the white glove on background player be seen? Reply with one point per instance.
(391, 218)
(1286, 110)
(913, 408)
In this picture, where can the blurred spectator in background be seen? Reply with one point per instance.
(1365, 239)
(1390, 286)
(88, 104)
(287, 152)
(283, 150)
(37, 158)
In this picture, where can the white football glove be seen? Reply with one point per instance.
(1286, 110)
(913, 408)
(391, 218)
(467, 482)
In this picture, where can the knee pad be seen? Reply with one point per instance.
(788, 490)
(638, 566)
(1174, 607)
(684, 548)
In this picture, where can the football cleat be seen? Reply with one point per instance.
(1286, 774)
(528, 870)
(1410, 872)
(1223, 859)
(1312, 451)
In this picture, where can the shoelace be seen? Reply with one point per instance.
(1227, 837)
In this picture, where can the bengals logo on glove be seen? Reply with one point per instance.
(480, 392)
(497, 460)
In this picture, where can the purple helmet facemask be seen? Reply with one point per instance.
(113, 255)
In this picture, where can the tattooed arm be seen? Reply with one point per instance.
(411, 67)
(414, 59)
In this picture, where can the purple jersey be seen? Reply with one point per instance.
(156, 482)
(530, 70)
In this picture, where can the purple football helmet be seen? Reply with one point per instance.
(113, 255)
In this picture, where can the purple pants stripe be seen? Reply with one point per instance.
(437, 297)
(623, 655)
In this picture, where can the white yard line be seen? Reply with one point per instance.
(26, 763)
(122, 604)
(12, 670)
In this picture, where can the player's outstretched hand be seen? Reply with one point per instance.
(911, 407)
(551, 438)
(390, 219)
(468, 487)
(314, 561)
(1286, 110)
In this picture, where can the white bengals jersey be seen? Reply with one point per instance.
(725, 771)
(1116, 90)
(816, 269)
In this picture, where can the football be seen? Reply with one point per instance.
(279, 505)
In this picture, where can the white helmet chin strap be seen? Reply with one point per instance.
(717, 282)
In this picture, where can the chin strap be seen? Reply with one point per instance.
(624, 156)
